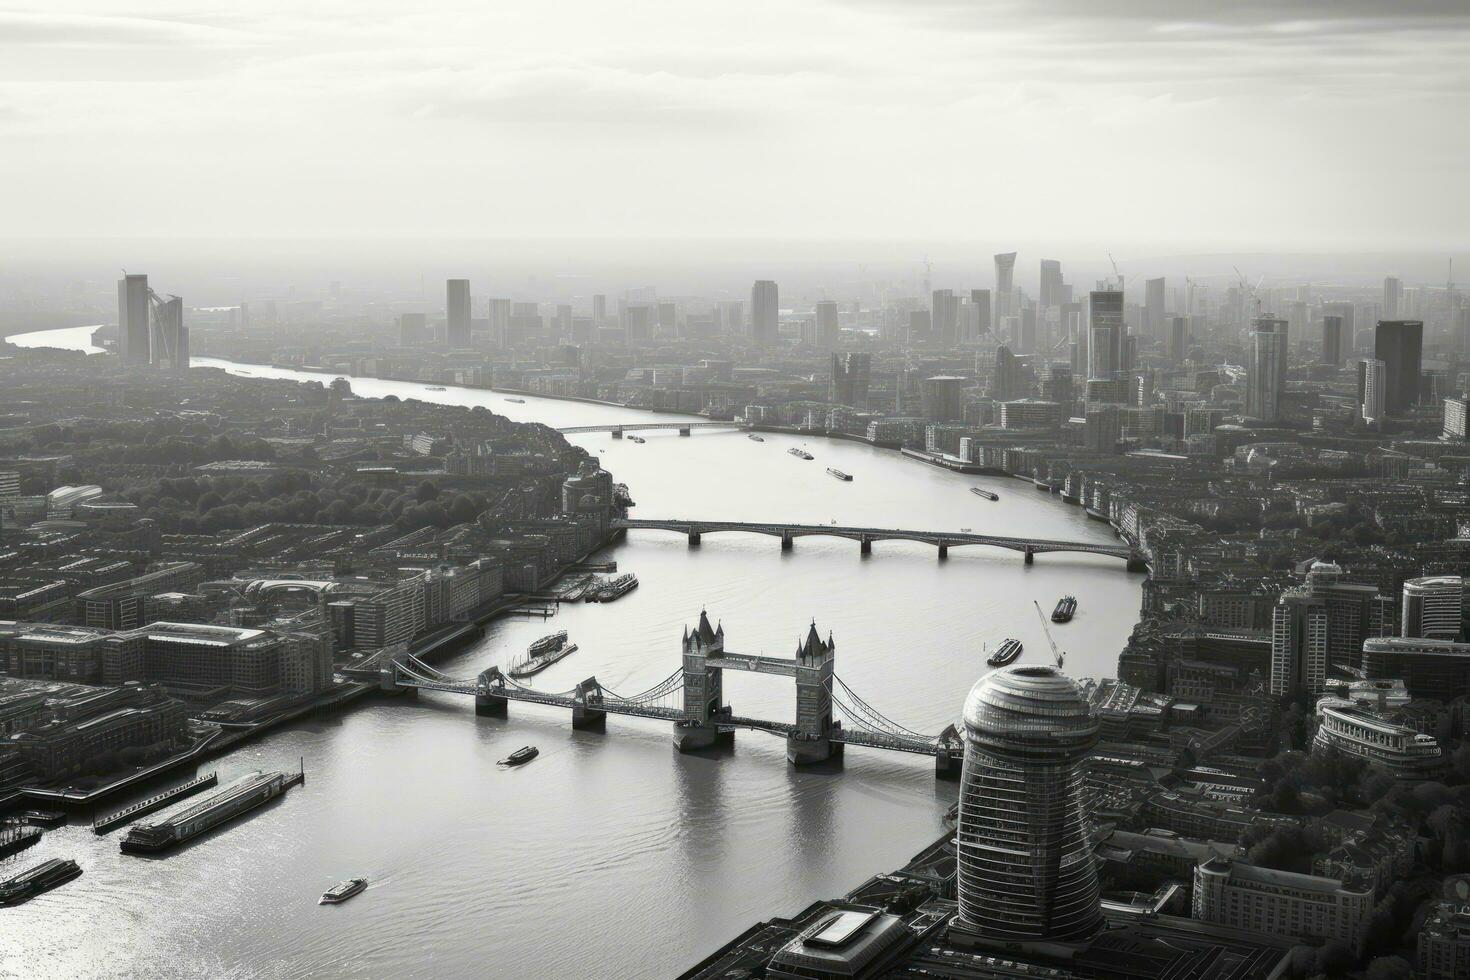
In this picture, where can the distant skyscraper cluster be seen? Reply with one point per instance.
(150, 328)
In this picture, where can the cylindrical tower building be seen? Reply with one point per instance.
(1433, 607)
(1026, 869)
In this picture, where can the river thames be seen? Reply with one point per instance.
(611, 854)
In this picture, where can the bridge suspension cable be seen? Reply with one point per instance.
(869, 718)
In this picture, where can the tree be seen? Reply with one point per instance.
(1390, 968)
(1287, 848)
(426, 492)
(1334, 959)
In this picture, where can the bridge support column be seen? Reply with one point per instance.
(489, 705)
(585, 719)
(684, 431)
(948, 765)
(691, 736)
(1030, 557)
(617, 433)
(865, 545)
(693, 536)
(804, 750)
(943, 550)
(1137, 564)
(786, 540)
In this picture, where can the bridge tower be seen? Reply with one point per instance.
(811, 742)
(704, 688)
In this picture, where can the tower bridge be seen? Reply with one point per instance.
(865, 536)
(829, 714)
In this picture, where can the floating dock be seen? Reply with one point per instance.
(103, 824)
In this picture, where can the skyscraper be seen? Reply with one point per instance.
(1399, 344)
(765, 313)
(1153, 308)
(1105, 334)
(457, 314)
(1051, 283)
(500, 310)
(1344, 312)
(1266, 382)
(1005, 286)
(944, 316)
(1371, 385)
(942, 398)
(133, 328)
(169, 337)
(981, 300)
(1178, 338)
(1332, 347)
(1393, 294)
(1026, 870)
(828, 330)
(1008, 382)
(851, 374)
(1298, 644)
(599, 310)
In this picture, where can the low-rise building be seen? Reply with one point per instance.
(1396, 749)
(1263, 900)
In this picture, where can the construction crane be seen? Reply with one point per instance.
(1059, 655)
(1116, 274)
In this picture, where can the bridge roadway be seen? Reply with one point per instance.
(944, 540)
(617, 427)
(917, 745)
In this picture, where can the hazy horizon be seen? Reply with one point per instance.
(1149, 128)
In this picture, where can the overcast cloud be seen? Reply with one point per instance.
(1275, 125)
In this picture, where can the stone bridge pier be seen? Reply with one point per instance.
(787, 540)
(489, 704)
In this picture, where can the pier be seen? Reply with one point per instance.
(830, 715)
(103, 824)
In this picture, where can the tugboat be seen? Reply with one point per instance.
(834, 471)
(38, 880)
(800, 453)
(1009, 651)
(521, 756)
(342, 891)
(755, 438)
(1064, 610)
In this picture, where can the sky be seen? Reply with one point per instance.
(1136, 124)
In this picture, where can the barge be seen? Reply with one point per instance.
(834, 471)
(1008, 652)
(38, 880)
(241, 796)
(614, 589)
(1066, 608)
(546, 644)
(521, 756)
(800, 453)
(531, 666)
(342, 891)
(987, 494)
(15, 839)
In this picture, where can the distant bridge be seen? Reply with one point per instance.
(830, 715)
(617, 430)
(865, 536)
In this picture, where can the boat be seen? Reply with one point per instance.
(14, 839)
(521, 756)
(755, 438)
(613, 588)
(1009, 651)
(38, 880)
(546, 644)
(518, 401)
(1066, 606)
(531, 666)
(638, 439)
(342, 891)
(434, 388)
(987, 494)
(800, 453)
(241, 796)
(44, 818)
(834, 471)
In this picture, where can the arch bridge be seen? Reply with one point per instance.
(865, 536)
(617, 430)
(829, 715)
